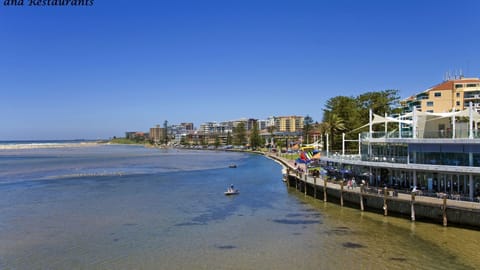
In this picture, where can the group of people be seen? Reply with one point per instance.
(352, 183)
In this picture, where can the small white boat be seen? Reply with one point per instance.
(232, 192)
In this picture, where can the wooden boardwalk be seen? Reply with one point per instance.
(433, 208)
(407, 197)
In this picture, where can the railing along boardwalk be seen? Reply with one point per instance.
(381, 199)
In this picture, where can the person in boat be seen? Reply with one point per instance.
(231, 188)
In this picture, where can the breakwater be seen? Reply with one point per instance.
(384, 201)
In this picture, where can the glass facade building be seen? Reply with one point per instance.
(448, 164)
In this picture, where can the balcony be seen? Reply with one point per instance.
(421, 134)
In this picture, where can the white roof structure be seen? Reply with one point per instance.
(423, 121)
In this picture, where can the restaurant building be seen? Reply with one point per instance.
(439, 153)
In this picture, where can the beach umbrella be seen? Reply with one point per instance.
(300, 160)
(330, 169)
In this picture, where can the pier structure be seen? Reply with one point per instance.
(382, 200)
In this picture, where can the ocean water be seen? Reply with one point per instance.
(129, 207)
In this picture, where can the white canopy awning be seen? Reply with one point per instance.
(464, 113)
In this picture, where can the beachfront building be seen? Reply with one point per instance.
(450, 95)
(435, 144)
(288, 123)
(187, 126)
(262, 124)
(157, 134)
(439, 153)
(177, 133)
(212, 133)
(136, 135)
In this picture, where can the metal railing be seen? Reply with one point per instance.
(421, 134)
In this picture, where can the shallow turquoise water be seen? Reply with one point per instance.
(119, 207)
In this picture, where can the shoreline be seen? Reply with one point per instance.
(40, 145)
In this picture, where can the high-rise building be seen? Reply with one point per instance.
(188, 126)
(451, 95)
(288, 123)
(157, 134)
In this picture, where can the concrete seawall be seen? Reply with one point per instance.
(386, 202)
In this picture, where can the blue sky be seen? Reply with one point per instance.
(96, 72)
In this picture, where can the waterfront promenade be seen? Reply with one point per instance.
(459, 212)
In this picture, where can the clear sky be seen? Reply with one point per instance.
(96, 72)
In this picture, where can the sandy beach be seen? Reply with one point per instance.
(18, 146)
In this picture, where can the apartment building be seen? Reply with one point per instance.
(157, 134)
(454, 94)
(289, 123)
(188, 126)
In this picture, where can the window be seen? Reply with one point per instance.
(458, 103)
(458, 94)
(430, 111)
(458, 85)
(438, 94)
(471, 85)
(429, 103)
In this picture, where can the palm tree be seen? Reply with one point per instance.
(307, 127)
(255, 138)
(333, 125)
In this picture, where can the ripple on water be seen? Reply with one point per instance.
(296, 221)
(352, 245)
(225, 246)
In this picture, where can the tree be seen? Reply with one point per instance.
(217, 141)
(380, 102)
(239, 134)
(354, 111)
(270, 130)
(229, 138)
(165, 131)
(307, 127)
(255, 138)
(183, 140)
(347, 108)
(333, 125)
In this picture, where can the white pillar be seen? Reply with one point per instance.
(359, 145)
(453, 124)
(470, 121)
(386, 123)
(400, 126)
(327, 143)
(414, 178)
(414, 123)
(343, 144)
(370, 128)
